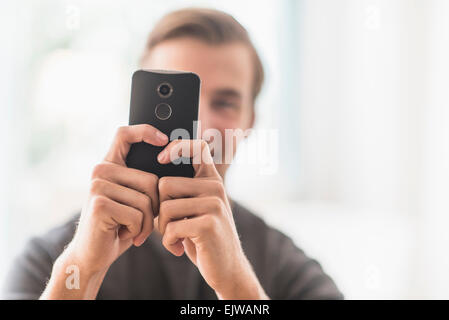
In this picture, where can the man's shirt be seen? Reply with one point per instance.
(152, 272)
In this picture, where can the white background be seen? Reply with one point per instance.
(358, 91)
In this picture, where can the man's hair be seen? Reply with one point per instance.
(208, 25)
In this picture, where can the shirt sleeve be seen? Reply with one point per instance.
(298, 276)
(29, 272)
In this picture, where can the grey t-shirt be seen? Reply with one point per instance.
(152, 272)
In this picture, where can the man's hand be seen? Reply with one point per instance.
(119, 212)
(195, 217)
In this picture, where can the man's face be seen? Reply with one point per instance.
(226, 73)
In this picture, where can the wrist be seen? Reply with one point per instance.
(69, 260)
(72, 279)
(250, 290)
(244, 285)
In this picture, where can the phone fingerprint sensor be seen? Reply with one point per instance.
(163, 111)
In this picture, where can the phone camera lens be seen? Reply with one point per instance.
(165, 90)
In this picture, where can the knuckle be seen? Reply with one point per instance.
(164, 184)
(152, 179)
(146, 202)
(135, 221)
(216, 203)
(138, 217)
(150, 183)
(167, 236)
(163, 209)
(218, 188)
(209, 224)
(99, 170)
(148, 128)
(149, 227)
(99, 204)
(219, 178)
(121, 131)
(168, 229)
(97, 185)
(165, 241)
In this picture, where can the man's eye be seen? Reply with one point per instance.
(224, 104)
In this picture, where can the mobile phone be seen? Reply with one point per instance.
(167, 100)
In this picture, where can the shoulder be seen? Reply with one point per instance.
(254, 230)
(31, 268)
(55, 240)
(284, 269)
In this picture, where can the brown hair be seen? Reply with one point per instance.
(209, 25)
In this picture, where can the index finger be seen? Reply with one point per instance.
(127, 135)
(198, 150)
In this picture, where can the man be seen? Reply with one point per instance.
(140, 237)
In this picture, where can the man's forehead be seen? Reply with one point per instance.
(225, 68)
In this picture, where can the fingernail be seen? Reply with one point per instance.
(162, 137)
(161, 156)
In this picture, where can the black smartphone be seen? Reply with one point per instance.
(167, 100)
